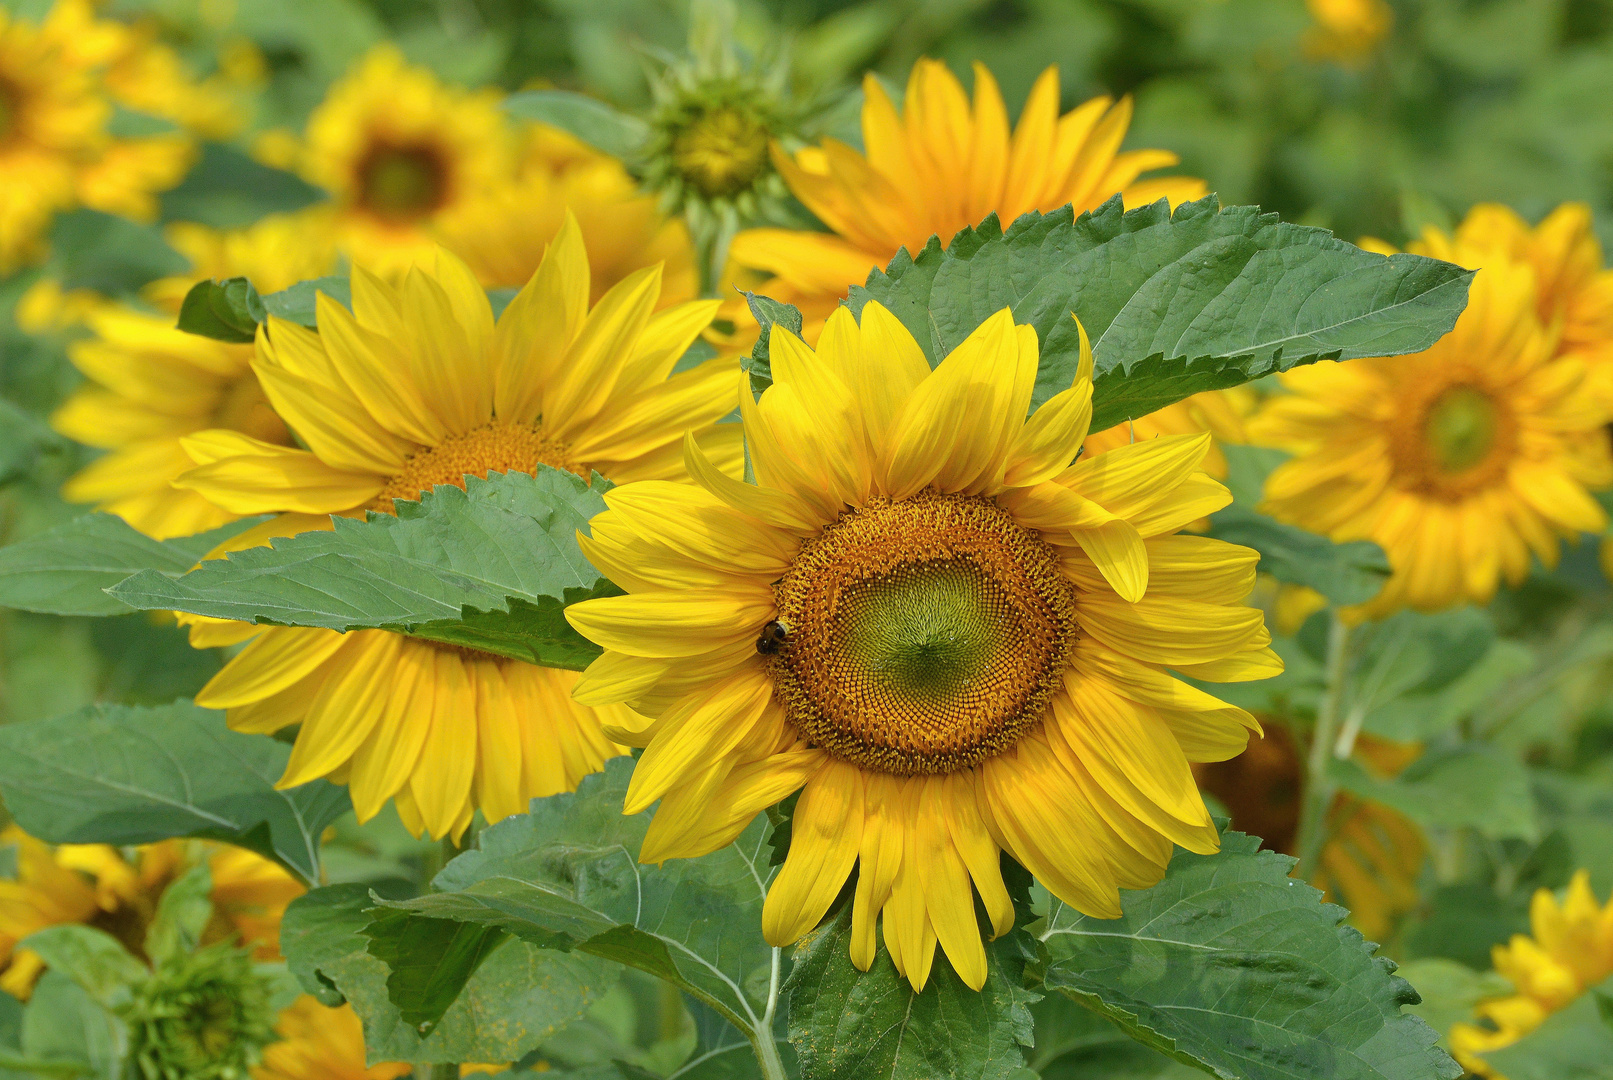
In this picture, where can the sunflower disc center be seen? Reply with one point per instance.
(1461, 428)
(1451, 439)
(494, 447)
(401, 183)
(923, 636)
(722, 151)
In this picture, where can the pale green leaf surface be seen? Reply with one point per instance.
(116, 774)
(589, 119)
(1471, 786)
(1231, 965)
(1175, 304)
(63, 1023)
(92, 958)
(490, 566)
(182, 915)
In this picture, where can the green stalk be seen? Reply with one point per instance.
(1319, 790)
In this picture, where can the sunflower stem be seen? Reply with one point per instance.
(765, 1044)
(1319, 788)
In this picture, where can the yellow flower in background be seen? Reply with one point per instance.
(117, 890)
(502, 233)
(947, 637)
(321, 1043)
(1460, 461)
(273, 253)
(151, 385)
(55, 149)
(1570, 951)
(397, 149)
(420, 387)
(937, 166)
(1347, 30)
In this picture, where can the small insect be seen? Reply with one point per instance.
(775, 635)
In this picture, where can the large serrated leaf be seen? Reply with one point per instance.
(1231, 965)
(1175, 303)
(566, 876)
(845, 1022)
(490, 567)
(117, 774)
(517, 998)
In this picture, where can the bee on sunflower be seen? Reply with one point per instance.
(1462, 461)
(418, 386)
(948, 638)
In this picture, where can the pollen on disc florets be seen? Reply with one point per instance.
(497, 446)
(923, 636)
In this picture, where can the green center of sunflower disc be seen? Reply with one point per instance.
(922, 636)
(1461, 427)
(402, 182)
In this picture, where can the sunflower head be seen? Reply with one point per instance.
(935, 622)
(203, 1015)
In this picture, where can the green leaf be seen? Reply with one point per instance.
(844, 1022)
(22, 439)
(226, 189)
(182, 915)
(1473, 786)
(1231, 965)
(1351, 573)
(221, 310)
(566, 876)
(63, 1024)
(1073, 1043)
(1573, 1044)
(231, 310)
(431, 961)
(115, 774)
(518, 998)
(1449, 990)
(66, 570)
(490, 566)
(109, 254)
(589, 119)
(1175, 304)
(767, 312)
(92, 958)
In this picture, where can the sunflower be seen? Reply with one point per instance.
(1347, 30)
(949, 638)
(397, 149)
(1459, 461)
(274, 253)
(117, 890)
(502, 233)
(55, 149)
(320, 1043)
(420, 388)
(1570, 952)
(152, 385)
(936, 167)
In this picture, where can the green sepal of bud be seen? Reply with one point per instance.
(205, 1015)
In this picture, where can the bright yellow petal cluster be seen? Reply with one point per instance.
(320, 1043)
(1461, 461)
(419, 386)
(55, 149)
(1571, 951)
(1347, 30)
(1220, 412)
(949, 638)
(98, 885)
(938, 165)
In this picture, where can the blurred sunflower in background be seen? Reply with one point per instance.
(56, 149)
(321, 1043)
(117, 890)
(397, 149)
(1461, 461)
(1347, 31)
(502, 233)
(151, 384)
(938, 165)
(418, 386)
(1569, 951)
(952, 641)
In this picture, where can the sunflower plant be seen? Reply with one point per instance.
(845, 689)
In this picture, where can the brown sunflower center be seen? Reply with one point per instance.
(401, 183)
(921, 636)
(722, 151)
(1453, 439)
(497, 446)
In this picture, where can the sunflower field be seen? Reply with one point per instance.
(761, 539)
